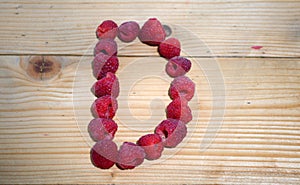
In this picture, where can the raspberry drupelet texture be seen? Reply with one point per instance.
(152, 32)
(107, 29)
(172, 132)
(130, 155)
(182, 86)
(178, 66)
(104, 154)
(106, 46)
(108, 85)
(169, 48)
(102, 128)
(179, 109)
(152, 145)
(103, 64)
(128, 31)
(105, 107)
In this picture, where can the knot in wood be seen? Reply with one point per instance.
(42, 67)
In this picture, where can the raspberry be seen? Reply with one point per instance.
(178, 66)
(128, 31)
(152, 145)
(105, 107)
(171, 131)
(101, 157)
(182, 86)
(169, 48)
(152, 32)
(106, 46)
(179, 109)
(108, 85)
(107, 29)
(103, 64)
(130, 155)
(101, 128)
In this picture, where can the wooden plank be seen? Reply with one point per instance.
(43, 139)
(228, 28)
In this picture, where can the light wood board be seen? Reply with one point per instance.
(230, 28)
(258, 142)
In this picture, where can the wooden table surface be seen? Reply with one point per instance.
(246, 66)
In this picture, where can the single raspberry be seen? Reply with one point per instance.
(104, 154)
(128, 31)
(130, 155)
(179, 109)
(152, 32)
(182, 86)
(169, 48)
(106, 46)
(103, 64)
(152, 145)
(171, 131)
(107, 29)
(178, 66)
(105, 107)
(101, 128)
(108, 85)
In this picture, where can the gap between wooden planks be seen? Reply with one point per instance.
(43, 142)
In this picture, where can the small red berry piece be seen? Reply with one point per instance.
(169, 48)
(128, 31)
(105, 107)
(152, 32)
(106, 46)
(152, 145)
(104, 154)
(101, 128)
(103, 64)
(108, 85)
(107, 29)
(130, 155)
(171, 131)
(178, 66)
(179, 109)
(183, 87)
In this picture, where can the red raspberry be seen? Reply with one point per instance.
(182, 86)
(128, 31)
(105, 107)
(179, 109)
(152, 32)
(104, 154)
(108, 85)
(178, 66)
(169, 48)
(152, 145)
(106, 46)
(171, 131)
(101, 128)
(130, 155)
(107, 29)
(103, 64)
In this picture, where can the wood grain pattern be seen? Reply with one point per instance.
(255, 92)
(229, 28)
(258, 142)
